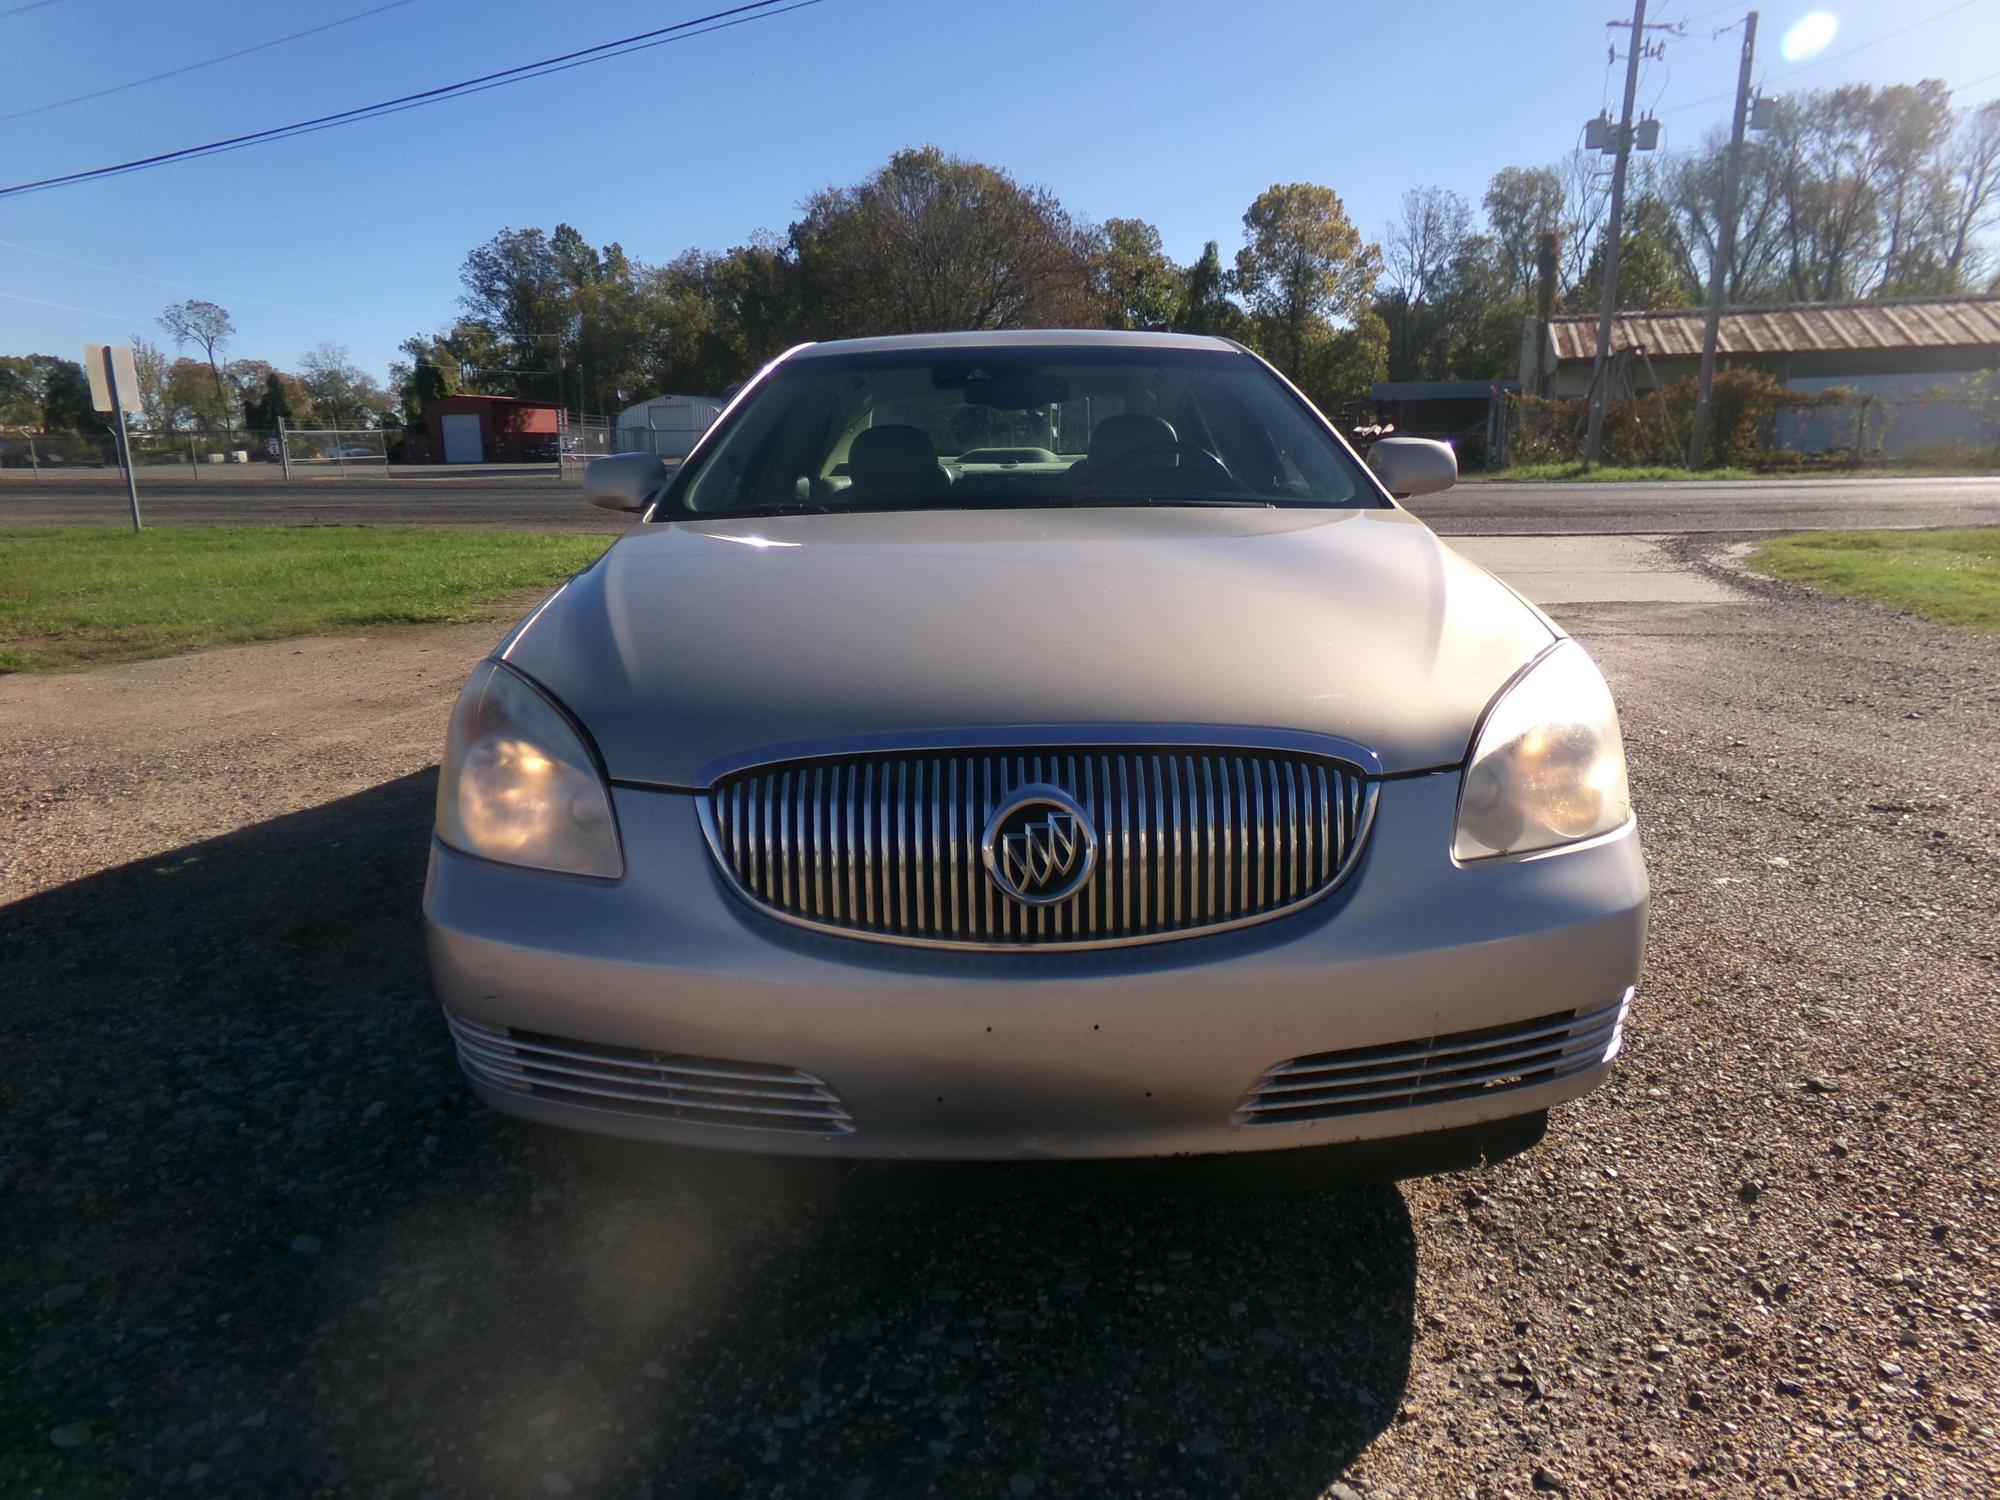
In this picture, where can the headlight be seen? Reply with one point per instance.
(1548, 767)
(519, 785)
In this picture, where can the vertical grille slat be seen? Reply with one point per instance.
(889, 845)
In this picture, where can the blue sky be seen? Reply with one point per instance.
(1170, 110)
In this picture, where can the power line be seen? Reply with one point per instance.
(1703, 15)
(31, 5)
(394, 108)
(119, 88)
(1837, 56)
(91, 265)
(133, 321)
(660, 36)
(1884, 37)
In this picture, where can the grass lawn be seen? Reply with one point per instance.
(1949, 576)
(73, 596)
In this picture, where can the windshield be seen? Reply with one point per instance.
(972, 428)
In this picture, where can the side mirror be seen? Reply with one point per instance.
(624, 481)
(1413, 466)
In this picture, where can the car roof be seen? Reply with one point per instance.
(1017, 338)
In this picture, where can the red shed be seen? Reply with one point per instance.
(491, 429)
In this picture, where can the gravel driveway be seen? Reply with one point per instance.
(255, 1239)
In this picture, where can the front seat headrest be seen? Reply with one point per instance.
(893, 456)
(1128, 432)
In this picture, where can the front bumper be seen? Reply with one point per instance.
(1137, 1052)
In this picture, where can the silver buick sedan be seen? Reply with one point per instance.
(1027, 746)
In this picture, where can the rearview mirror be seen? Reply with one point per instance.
(624, 481)
(1413, 466)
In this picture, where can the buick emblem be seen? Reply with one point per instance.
(1039, 847)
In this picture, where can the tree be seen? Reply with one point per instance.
(1523, 204)
(514, 286)
(208, 327)
(1858, 174)
(1339, 364)
(1652, 264)
(1691, 185)
(1142, 286)
(718, 317)
(1971, 180)
(1420, 250)
(1302, 268)
(935, 242)
(45, 393)
(558, 309)
(150, 362)
(270, 397)
(430, 374)
(342, 395)
(1205, 306)
(194, 398)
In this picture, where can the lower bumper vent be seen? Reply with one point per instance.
(1401, 1075)
(629, 1080)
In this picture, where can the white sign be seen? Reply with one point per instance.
(109, 363)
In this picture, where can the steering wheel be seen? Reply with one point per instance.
(1156, 453)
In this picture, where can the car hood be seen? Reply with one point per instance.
(694, 647)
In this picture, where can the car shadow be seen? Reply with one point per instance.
(255, 1233)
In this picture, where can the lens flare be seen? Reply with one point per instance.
(1809, 35)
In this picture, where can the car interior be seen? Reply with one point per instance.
(924, 435)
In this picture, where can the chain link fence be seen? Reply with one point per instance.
(57, 452)
(580, 439)
(338, 450)
(300, 454)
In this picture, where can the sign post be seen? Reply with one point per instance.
(114, 387)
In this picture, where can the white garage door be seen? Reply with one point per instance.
(461, 438)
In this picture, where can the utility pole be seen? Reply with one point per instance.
(1725, 245)
(1594, 443)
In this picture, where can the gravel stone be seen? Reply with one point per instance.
(210, 869)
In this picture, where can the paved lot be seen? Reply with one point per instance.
(255, 1238)
(538, 499)
(1713, 505)
(1559, 571)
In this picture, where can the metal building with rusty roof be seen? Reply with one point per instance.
(1921, 358)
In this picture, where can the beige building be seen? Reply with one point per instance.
(1928, 363)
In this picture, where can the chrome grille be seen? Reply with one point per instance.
(1435, 1069)
(628, 1080)
(1189, 840)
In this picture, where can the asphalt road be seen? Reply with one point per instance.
(510, 498)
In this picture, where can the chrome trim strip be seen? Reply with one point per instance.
(1442, 1066)
(699, 1090)
(996, 737)
(1536, 1051)
(1547, 1038)
(1343, 1100)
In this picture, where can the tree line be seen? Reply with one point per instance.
(200, 391)
(931, 242)
(1855, 192)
